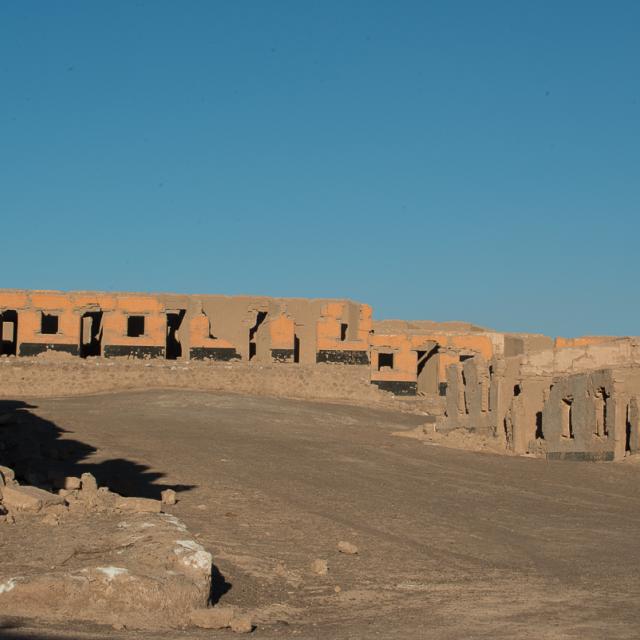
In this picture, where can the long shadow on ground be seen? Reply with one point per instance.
(35, 449)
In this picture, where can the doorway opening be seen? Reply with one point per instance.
(173, 349)
(539, 431)
(9, 333)
(260, 318)
(91, 334)
(296, 348)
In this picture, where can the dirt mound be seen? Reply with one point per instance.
(455, 439)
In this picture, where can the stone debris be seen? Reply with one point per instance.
(242, 624)
(28, 499)
(320, 567)
(138, 505)
(217, 617)
(71, 483)
(88, 483)
(347, 548)
(168, 496)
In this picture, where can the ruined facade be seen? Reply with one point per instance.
(184, 327)
(412, 358)
(568, 399)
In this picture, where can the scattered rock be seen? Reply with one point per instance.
(168, 496)
(242, 624)
(218, 617)
(337, 588)
(29, 499)
(89, 483)
(320, 567)
(347, 547)
(138, 505)
(71, 483)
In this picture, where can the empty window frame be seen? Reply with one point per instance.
(135, 326)
(567, 418)
(48, 323)
(385, 360)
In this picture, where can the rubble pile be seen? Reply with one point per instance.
(74, 550)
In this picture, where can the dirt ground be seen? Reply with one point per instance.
(55, 374)
(452, 544)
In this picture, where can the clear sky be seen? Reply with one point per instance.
(440, 160)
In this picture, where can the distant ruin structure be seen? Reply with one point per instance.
(568, 398)
(184, 327)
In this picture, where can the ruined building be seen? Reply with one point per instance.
(565, 398)
(184, 326)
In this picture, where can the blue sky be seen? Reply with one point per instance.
(440, 160)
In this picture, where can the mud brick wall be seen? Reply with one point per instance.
(174, 326)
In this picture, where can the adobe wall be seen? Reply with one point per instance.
(416, 361)
(175, 326)
(592, 415)
(522, 389)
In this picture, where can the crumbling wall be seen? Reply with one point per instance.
(251, 328)
(343, 333)
(468, 403)
(411, 363)
(593, 416)
(522, 403)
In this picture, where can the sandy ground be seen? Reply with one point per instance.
(452, 544)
